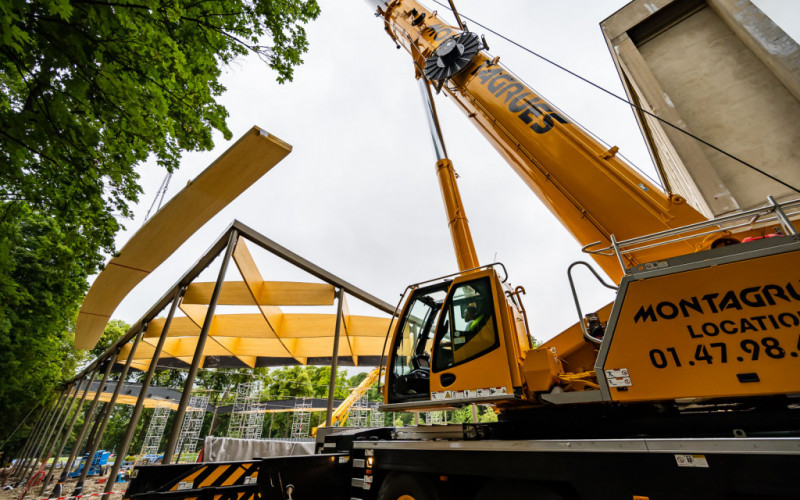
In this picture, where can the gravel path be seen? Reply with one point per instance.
(90, 486)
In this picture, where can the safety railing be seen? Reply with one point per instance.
(773, 212)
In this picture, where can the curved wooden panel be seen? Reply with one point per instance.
(252, 156)
(271, 293)
(248, 336)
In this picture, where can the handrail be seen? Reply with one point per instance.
(465, 271)
(715, 225)
(586, 334)
(395, 317)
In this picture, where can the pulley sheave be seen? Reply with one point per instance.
(452, 56)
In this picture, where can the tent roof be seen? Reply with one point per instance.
(288, 405)
(268, 336)
(167, 397)
(156, 396)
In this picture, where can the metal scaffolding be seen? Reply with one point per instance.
(192, 423)
(360, 413)
(434, 418)
(377, 418)
(155, 431)
(247, 418)
(301, 421)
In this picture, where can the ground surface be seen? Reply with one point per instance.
(90, 486)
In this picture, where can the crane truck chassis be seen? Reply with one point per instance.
(507, 460)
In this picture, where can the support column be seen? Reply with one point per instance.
(58, 425)
(38, 444)
(198, 352)
(105, 417)
(214, 422)
(102, 408)
(122, 451)
(89, 378)
(44, 449)
(87, 420)
(23, 453)
(19, 424)
(24, 457)
(335, 358)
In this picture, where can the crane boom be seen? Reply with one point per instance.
(591, 191)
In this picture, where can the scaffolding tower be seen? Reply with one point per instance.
(155, 431)
(301, 420)
(377, 418)
(360, 413)
(247, 418)
(435, 418)
(192, 423)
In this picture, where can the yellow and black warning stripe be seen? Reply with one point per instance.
(211, 475)
(224, 481)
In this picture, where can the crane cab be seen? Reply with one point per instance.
(458, 341)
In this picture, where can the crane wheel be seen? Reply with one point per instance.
(399, 486)
(512, 488)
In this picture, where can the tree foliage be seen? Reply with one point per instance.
(113, 331)
(42, 278)
(88, 90)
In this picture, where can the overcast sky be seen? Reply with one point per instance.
(358, 195)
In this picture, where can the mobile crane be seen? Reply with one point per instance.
(689, 321)
(685, 386)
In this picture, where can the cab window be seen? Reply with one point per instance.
(467, 328)
(409, 377)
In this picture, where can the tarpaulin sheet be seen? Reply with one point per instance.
(224, 449)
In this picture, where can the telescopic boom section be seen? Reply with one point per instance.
(593, 193)
(460, 234)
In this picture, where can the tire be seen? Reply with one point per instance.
(400, 486)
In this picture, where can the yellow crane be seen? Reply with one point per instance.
(690, 321)
(340, 414)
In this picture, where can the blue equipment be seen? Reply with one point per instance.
(96, 467)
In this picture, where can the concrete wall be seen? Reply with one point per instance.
(723, 71)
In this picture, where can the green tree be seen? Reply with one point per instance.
(113, 331)
(117, 425)
(288, 382)
(321, 378)
(299, 381)
(88, 90)
(42, 278)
